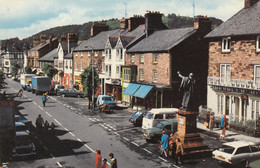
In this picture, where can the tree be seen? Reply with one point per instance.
(2, 78)
(86, 80)
(49, 70)
(28, 69)
(15, 69)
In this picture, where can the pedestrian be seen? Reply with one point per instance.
(105, 163)
(39, 124)
(46, 129)
(43, 100)
(98, 159)
(179, 152)
(20, 93)
(113, 163)
(224, 125)
(164, 144)
(52, 126)
(211, 122)
(207, 119)
(172, 146)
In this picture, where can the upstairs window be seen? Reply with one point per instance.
(103, 53)
(76, 54)
(89, 53)
(226, 44)
(155, 58)
(258, 44)
(224, 73)
(257, 75)
(141, 74)
(132, 58)
(141, 58)
(154, 76)
(96, 53)
(81, 54)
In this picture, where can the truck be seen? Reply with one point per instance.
(41, 84)
(7, 127)
(25, 80)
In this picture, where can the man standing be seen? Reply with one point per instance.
(187, 85)
(164, 143)
(113, 163)
(98, 159)
(39, 124)
(43, 100)
(179, 152)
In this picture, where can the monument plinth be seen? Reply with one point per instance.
(187, 132)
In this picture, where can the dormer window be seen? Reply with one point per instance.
(258, 43)
(226, 44)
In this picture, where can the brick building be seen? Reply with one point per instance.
(234, 65)
(155, 59)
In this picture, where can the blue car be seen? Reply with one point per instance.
(106, 99)
(137, 117)
(19, 118)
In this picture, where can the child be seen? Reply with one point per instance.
(105, 163)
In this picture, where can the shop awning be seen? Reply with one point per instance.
(131, 88)
(143, 91)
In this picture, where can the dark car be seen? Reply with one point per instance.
(70, 93)
(137, 117)
(19, 118)
(24, 145)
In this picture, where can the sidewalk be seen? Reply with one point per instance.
(230, 135)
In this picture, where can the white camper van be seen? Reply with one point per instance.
(156, 115)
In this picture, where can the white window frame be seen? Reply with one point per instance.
(257, 44)
(220, 104)
(76, 54)
(96, 53)
(155, 58)
(225, 76)
(226, 44)
(103, 53)
(141, 58)
(81, 54)
(141, 74)
(155, 77)
(132, 58)
(89, 53)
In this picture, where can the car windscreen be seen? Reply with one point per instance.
(18, 118)
(137, 114)
(106, 98)
(227, 149)
(149, 115)
(23, 140)
(160, 126)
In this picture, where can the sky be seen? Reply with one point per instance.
(23, 18)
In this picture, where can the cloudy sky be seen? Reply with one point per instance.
(23, 18)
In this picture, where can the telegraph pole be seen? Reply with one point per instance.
(193, 4)
(125, 3)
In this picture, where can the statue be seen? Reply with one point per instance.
(187, 85)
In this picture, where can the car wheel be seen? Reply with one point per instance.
(78, 96)
(63, 95)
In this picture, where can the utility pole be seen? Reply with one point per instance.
(125, 3)
(193, 4)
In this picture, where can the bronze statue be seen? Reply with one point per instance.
(187, 85)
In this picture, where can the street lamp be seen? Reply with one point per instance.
(93, 84)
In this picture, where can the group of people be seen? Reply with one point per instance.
(172, 146)
(43, 127)
(103, 164)
(210, 123)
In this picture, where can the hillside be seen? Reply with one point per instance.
(171, 20)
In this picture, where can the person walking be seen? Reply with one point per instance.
(46, 129)
(98, 159)
(113, 163)
(179, 152)
(211, 122)
(105, 163)
(39, 124)
(43, 100)
(52, 126)
(223, 124)
(20, 93)
(207, 119)
(164, 143)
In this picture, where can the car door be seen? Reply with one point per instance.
(255, 153)
(241, 154)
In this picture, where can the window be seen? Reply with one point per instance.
(89, 53)
(76, 65)
(257, 75)
(154, 76)
(220, 104)
(103, 67)
(103, 53)
(155, 58)
(141, 74)
(132, 58)
(81, 65)
(245, 149)
(109, 54)
(106, 68)
(257, 109)
(224, 73)
(158, 116)
(258, 43)
(126, 74)
(253, 109)
(117, 69)
(81, 54)
(76, 54)
(226, 44)
(141, 58)
(109, 72)
(96, 53)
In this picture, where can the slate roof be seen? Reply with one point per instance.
(245, 22)
(98, 42)
(39, 45)
(68, 56)
(162, 40)
(126, 40)
(50, 55)
(113, 42)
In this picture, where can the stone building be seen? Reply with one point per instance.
(234, 65)
(155, 59)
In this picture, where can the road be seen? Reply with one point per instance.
(79, 132)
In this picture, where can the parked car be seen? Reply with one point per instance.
(106, 99)
(19, 118)
(19, 126)
(237, 153)
(58, 88)
(70, 93)
(24, 145)
(137, 117)
(155, 133)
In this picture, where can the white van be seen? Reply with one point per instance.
(156, 115)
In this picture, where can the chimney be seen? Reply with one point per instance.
(98, 27)
(72, 41)
(123, 23)
(249, 3)
(36, 41)
(153, 22)
(202, 24)
(135, 21)
(43, 39)
(50, 42)
(63, 39)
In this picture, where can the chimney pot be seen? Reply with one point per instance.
(249, 3)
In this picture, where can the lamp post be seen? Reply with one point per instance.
(93, 84)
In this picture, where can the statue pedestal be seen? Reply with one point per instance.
(187, 132)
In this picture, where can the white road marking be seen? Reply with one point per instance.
(147, 151)
(91, 119)
(59, 164)
(176, 166)
(116, 133)
(66, 129)
(48, 114)
(35, 103)
(57, 122)
(125, 138)
(40, 108)
(109, 129)
(71, 134)
(135, 144)
(89, 148)
(110, 126)
(79, 140)
(163, 159)
(84, 116)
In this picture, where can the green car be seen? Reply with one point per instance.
(155, 133)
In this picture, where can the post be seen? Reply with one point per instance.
(93, 84)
